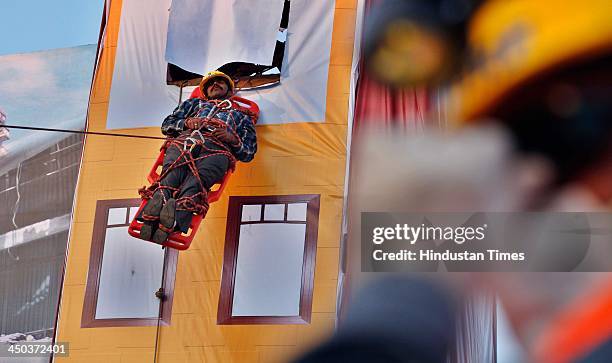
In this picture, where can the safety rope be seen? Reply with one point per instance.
(81, 132)
(244, 110)
(161, 295)
(186, 143)
(196, 203)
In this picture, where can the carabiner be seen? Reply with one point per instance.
(197, 133)
(229, 104)
(211, 113)
(185, 143)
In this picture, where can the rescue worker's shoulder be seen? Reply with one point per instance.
(244, 112)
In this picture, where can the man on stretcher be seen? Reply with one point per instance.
(206, 137)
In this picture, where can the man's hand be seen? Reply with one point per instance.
(194, 123)
(225, 136)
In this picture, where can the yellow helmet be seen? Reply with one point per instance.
(513, 41)
(216, 74)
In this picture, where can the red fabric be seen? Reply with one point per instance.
(581, 328)
(242, 104)
(196, 93)
(379, 105)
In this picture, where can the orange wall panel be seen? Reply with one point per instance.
(301, 158)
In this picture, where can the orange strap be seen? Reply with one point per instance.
(580, 328)
(185, 158)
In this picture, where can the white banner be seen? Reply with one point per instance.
(204, 34)
(139, 94)
(302, 93)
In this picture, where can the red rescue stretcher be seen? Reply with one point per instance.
(178, 240)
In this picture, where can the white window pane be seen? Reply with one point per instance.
(296, 212)
(274, 212)
(251, 213)
(268, 278)
(131, 274)
(133, 212)
(116, 216)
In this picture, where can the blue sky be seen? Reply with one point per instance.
(49, 85)
(32, 25)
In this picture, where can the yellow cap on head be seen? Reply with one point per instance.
(513, 41)
(212, 75)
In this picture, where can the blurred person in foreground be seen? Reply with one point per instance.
(535, 115)
(545, 76)
(394, 319)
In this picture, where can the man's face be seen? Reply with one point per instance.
(217, 88)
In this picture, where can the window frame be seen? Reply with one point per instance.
(232, 236)
(88, 318)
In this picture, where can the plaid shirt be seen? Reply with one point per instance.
(237, 121)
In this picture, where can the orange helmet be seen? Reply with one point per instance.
(514, 41)
(216, 74)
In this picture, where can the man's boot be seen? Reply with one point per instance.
(166, 222)
(150, 216)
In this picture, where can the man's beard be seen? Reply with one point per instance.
(219, 96)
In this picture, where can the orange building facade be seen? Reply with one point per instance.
(293, 159)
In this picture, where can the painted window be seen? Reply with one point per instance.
(125, 273)
(268, 268)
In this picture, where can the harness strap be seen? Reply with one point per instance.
(197, 203)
